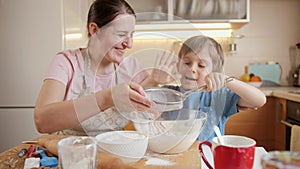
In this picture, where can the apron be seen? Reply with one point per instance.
(104, 121)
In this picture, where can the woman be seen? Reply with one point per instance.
(83, 85)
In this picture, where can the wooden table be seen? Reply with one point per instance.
(190, 159)
(187, 160)
(9, 159)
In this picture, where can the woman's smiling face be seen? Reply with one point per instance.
(193, 69)
(117, 37)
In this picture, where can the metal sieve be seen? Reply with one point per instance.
(169, 99)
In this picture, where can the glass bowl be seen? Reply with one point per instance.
(174, 131)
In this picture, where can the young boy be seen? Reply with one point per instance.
(200, 63)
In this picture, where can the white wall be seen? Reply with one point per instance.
(272, 34)
(30, 35)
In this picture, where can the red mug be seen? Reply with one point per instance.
(237, 152)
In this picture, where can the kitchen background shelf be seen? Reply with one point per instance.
(192, 11)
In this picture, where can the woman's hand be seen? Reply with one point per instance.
(131, 97)
(215, 81)
(165, 70)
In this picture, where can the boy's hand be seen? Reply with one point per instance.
(215, 81)
(165, 70)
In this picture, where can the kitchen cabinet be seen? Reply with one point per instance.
(264, 125)
(280, 128)
(195, 11)
(151, 11)
(17, 125)
(257, 124)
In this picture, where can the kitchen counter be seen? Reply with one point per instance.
(289, 93)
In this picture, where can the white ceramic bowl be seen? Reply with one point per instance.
(175, 132)
(127, 145)
(255, 84)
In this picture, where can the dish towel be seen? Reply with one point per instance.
(295, 138)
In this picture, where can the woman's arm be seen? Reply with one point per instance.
(53, 114)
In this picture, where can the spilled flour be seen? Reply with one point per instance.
(158, 162)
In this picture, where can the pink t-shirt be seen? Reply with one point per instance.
(68, 68)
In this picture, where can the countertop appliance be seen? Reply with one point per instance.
(31, 35)
(296, 75)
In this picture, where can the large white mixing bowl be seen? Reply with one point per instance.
(174, 132)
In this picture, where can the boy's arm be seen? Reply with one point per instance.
(250, 96)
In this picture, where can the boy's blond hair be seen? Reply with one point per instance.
(197, 43)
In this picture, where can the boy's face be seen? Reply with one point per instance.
(194, 68)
